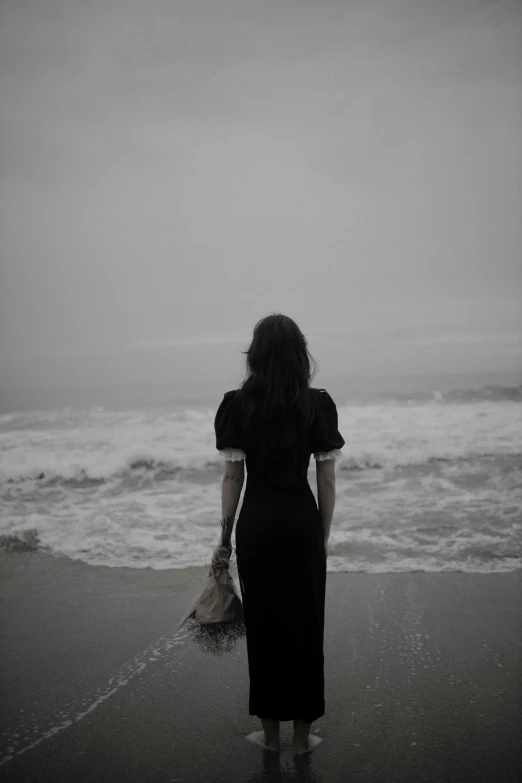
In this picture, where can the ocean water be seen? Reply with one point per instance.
(431, 479)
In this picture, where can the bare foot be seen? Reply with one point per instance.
(258, 738)
(313, 740)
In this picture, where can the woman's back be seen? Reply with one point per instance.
(319, 437)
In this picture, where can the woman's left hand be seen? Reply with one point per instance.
(220, 554)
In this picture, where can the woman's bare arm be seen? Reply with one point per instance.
(231, 487)
(326, 493)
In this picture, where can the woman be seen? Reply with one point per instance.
(274, 422)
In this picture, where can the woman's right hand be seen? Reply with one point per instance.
(326, 548)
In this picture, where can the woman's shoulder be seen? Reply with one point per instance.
(227, 404)
(315, 392)
(323, 401)
(230, 395)
(231, 399)
(320, 393)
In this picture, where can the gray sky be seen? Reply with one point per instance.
(174, 170)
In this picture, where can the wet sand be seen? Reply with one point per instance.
(422, 677)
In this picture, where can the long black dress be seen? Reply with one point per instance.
(282, 569)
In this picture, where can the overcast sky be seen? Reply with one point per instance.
(174, 170)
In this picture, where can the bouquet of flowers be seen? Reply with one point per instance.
(215, 617)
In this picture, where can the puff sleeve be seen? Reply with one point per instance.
(326, 440)
(228, 439)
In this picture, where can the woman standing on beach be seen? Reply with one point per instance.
(274, 422)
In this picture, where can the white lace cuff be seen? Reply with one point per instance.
(232, 454)
(335, 454)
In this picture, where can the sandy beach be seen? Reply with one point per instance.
(422, 676)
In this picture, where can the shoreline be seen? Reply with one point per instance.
(422, 676)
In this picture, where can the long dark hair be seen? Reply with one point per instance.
(276, 396)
